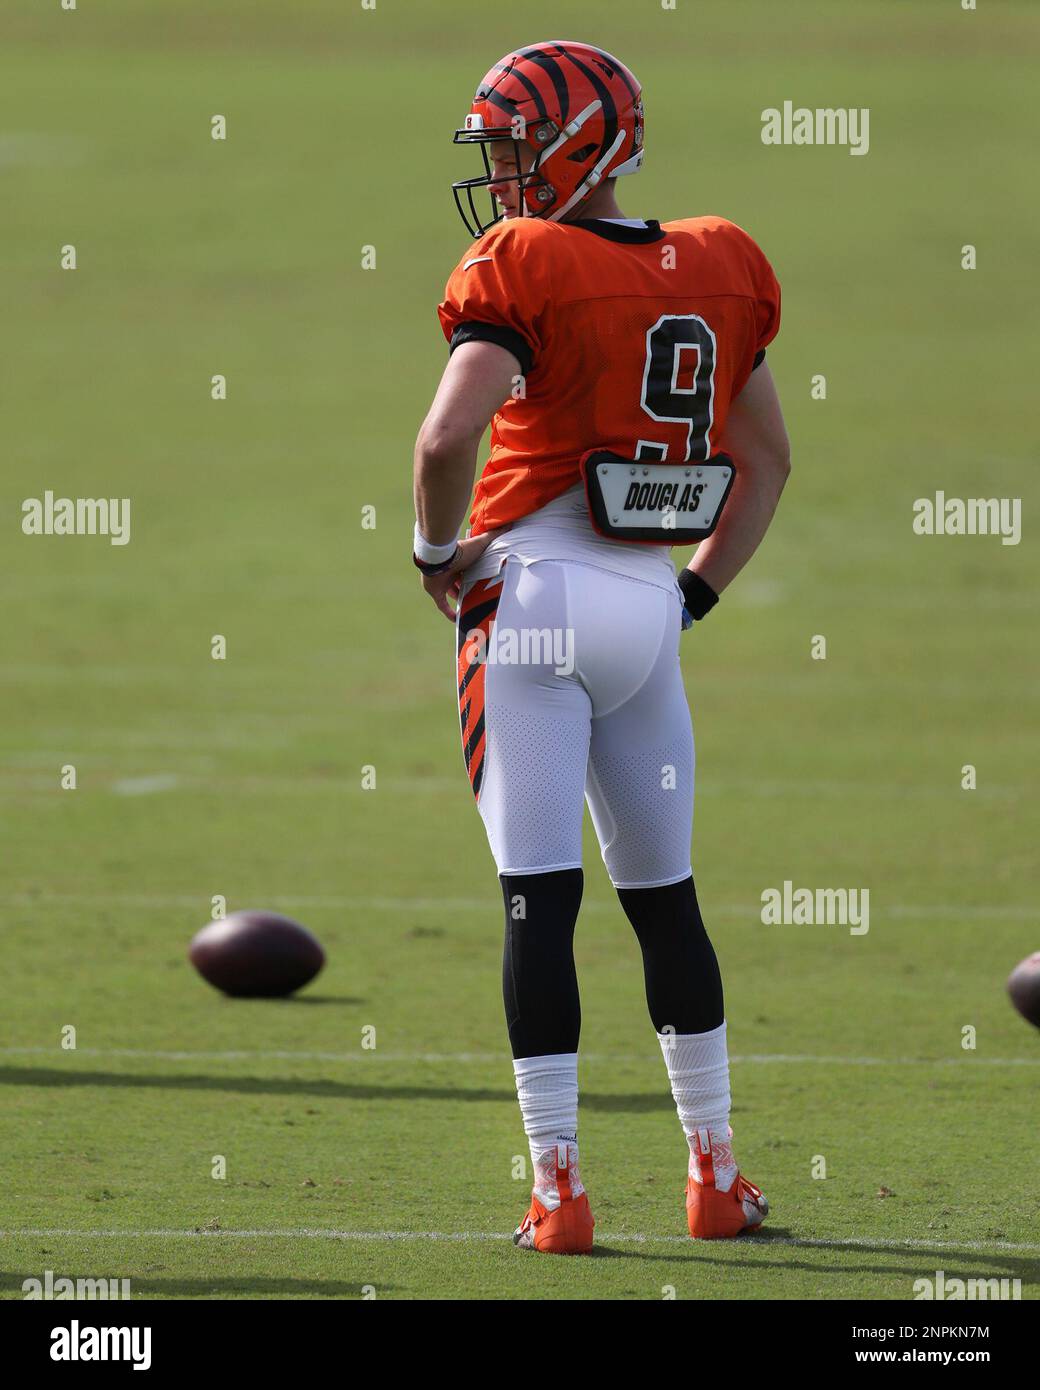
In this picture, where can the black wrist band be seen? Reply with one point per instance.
(698, 595)
(442, 568)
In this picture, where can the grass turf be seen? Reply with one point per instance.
(243, 258)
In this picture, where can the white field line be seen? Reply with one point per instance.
(187, 783)
(760, 1242)
(29, 149)
(369, 1058)
(146, 786)
(488, 903)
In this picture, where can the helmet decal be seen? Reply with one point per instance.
(555, 73)
(610, 115)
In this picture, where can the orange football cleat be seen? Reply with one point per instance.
(715, 1215)
(565, 1230)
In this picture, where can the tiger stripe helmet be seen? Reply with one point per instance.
(576, 107)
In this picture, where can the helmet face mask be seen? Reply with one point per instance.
(578, 111)
(464, 189)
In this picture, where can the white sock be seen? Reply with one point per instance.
(698, 1070)
(547, 1089)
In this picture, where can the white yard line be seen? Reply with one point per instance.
(369, 1058)
(487, 903)
(762, 1242)
(146, 786)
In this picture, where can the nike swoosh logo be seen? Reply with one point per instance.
(474, 260)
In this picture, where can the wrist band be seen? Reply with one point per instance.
(442, 568)
(698, 595)
(429, 553)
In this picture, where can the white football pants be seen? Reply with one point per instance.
(570, 690)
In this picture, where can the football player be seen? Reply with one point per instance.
(621, 364)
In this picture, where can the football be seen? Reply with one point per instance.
(1024, 988)
(256, 955)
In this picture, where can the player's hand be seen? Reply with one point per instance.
(444, 587)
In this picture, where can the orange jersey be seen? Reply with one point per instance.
(629, 339)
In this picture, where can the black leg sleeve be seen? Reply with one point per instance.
(539, 983)
(683, 983)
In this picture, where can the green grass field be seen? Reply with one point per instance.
(243, 777)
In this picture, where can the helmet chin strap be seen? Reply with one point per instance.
(570, 129)
(590, 180)
(567, 133)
